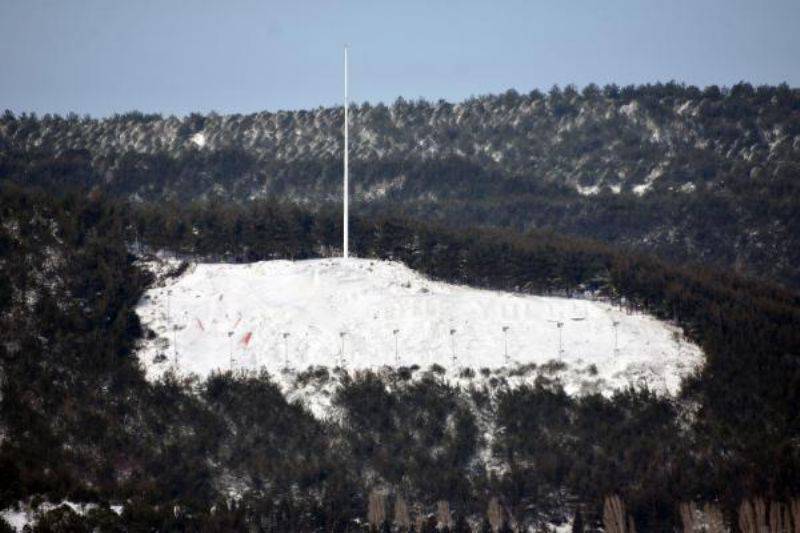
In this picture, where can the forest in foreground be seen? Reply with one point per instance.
(79, 420)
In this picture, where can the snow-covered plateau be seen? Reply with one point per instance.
(353, 314)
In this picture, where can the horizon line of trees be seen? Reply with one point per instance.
(589, 91)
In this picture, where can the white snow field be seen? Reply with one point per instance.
(23, 515)
(350, 313)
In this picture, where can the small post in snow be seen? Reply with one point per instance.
(560, 325)
(230, 348)
(453, 346)
(505, 342)
(286, 349)
(396, 353)
(175, 347)
(342, 360)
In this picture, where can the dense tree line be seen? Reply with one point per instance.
(80, 421)
(705, 175)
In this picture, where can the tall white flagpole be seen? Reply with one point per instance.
(345, 236)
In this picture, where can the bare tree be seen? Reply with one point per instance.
(615, 518)
(753, 516)
(443, 517)
(794, 506)
(495, 514)
(709, 520)
(715, 522)
(747, 518)
(402, 520)
(780, 520)
(688, 512)
(419, 518)
(376, 513)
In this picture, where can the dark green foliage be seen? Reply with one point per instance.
(420, 435)
(534, 424)
(265, 438)
(596, 446)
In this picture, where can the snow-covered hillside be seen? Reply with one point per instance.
(360, 313)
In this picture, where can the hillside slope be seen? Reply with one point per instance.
(660, 137)
(693, 175)
(81, 423)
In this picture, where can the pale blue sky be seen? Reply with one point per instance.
(172, 56)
